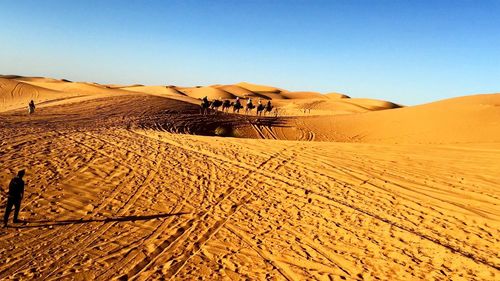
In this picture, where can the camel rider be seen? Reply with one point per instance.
(205, 99)
(249, 101)
(268, 104)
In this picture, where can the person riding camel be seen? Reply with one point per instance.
(237, 103)
(260, 107)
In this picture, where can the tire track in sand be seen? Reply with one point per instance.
(171, 263)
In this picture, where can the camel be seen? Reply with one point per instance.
(225, 106)
(215, 105)
(249, 107)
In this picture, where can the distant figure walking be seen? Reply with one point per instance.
(204, 106)
(16, 194)
(31, 107)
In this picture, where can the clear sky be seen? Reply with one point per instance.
(408, 52)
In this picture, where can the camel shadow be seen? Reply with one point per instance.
(47, 223)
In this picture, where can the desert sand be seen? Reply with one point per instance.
(131, 182)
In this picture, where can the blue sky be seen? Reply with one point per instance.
(409, 52)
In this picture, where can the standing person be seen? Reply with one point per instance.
(31, 107)
(16, 194)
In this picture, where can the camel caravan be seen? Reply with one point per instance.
(206, 106)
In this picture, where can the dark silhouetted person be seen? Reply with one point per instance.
(16, 193)
(31, 107)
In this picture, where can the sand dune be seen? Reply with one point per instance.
(132, 183)
(33, 79)
(336, 96)
(371, 104)
(235, 90)
(457, 120)
(210, 92)
(302, 95)
(292, 103)
(259, 88)
(16, 94)
(155, 90)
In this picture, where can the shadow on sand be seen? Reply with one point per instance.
(46, 223)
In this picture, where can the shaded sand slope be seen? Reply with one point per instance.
(458, 120)
(112, 193)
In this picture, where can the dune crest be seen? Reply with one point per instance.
(259, 88)
(337, 96)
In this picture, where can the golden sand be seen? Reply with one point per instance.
(130, 181)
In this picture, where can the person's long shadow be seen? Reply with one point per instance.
(46, 223)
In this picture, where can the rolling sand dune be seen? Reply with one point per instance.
(16, 94)
(210, 92)
(235, 90)
(259, 88)
(467, 119)
(302, 95)
(336, 96)
(155, 90)
(133, 184)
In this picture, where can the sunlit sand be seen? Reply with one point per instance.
(130, 181)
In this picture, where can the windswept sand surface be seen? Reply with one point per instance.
(114, 191)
